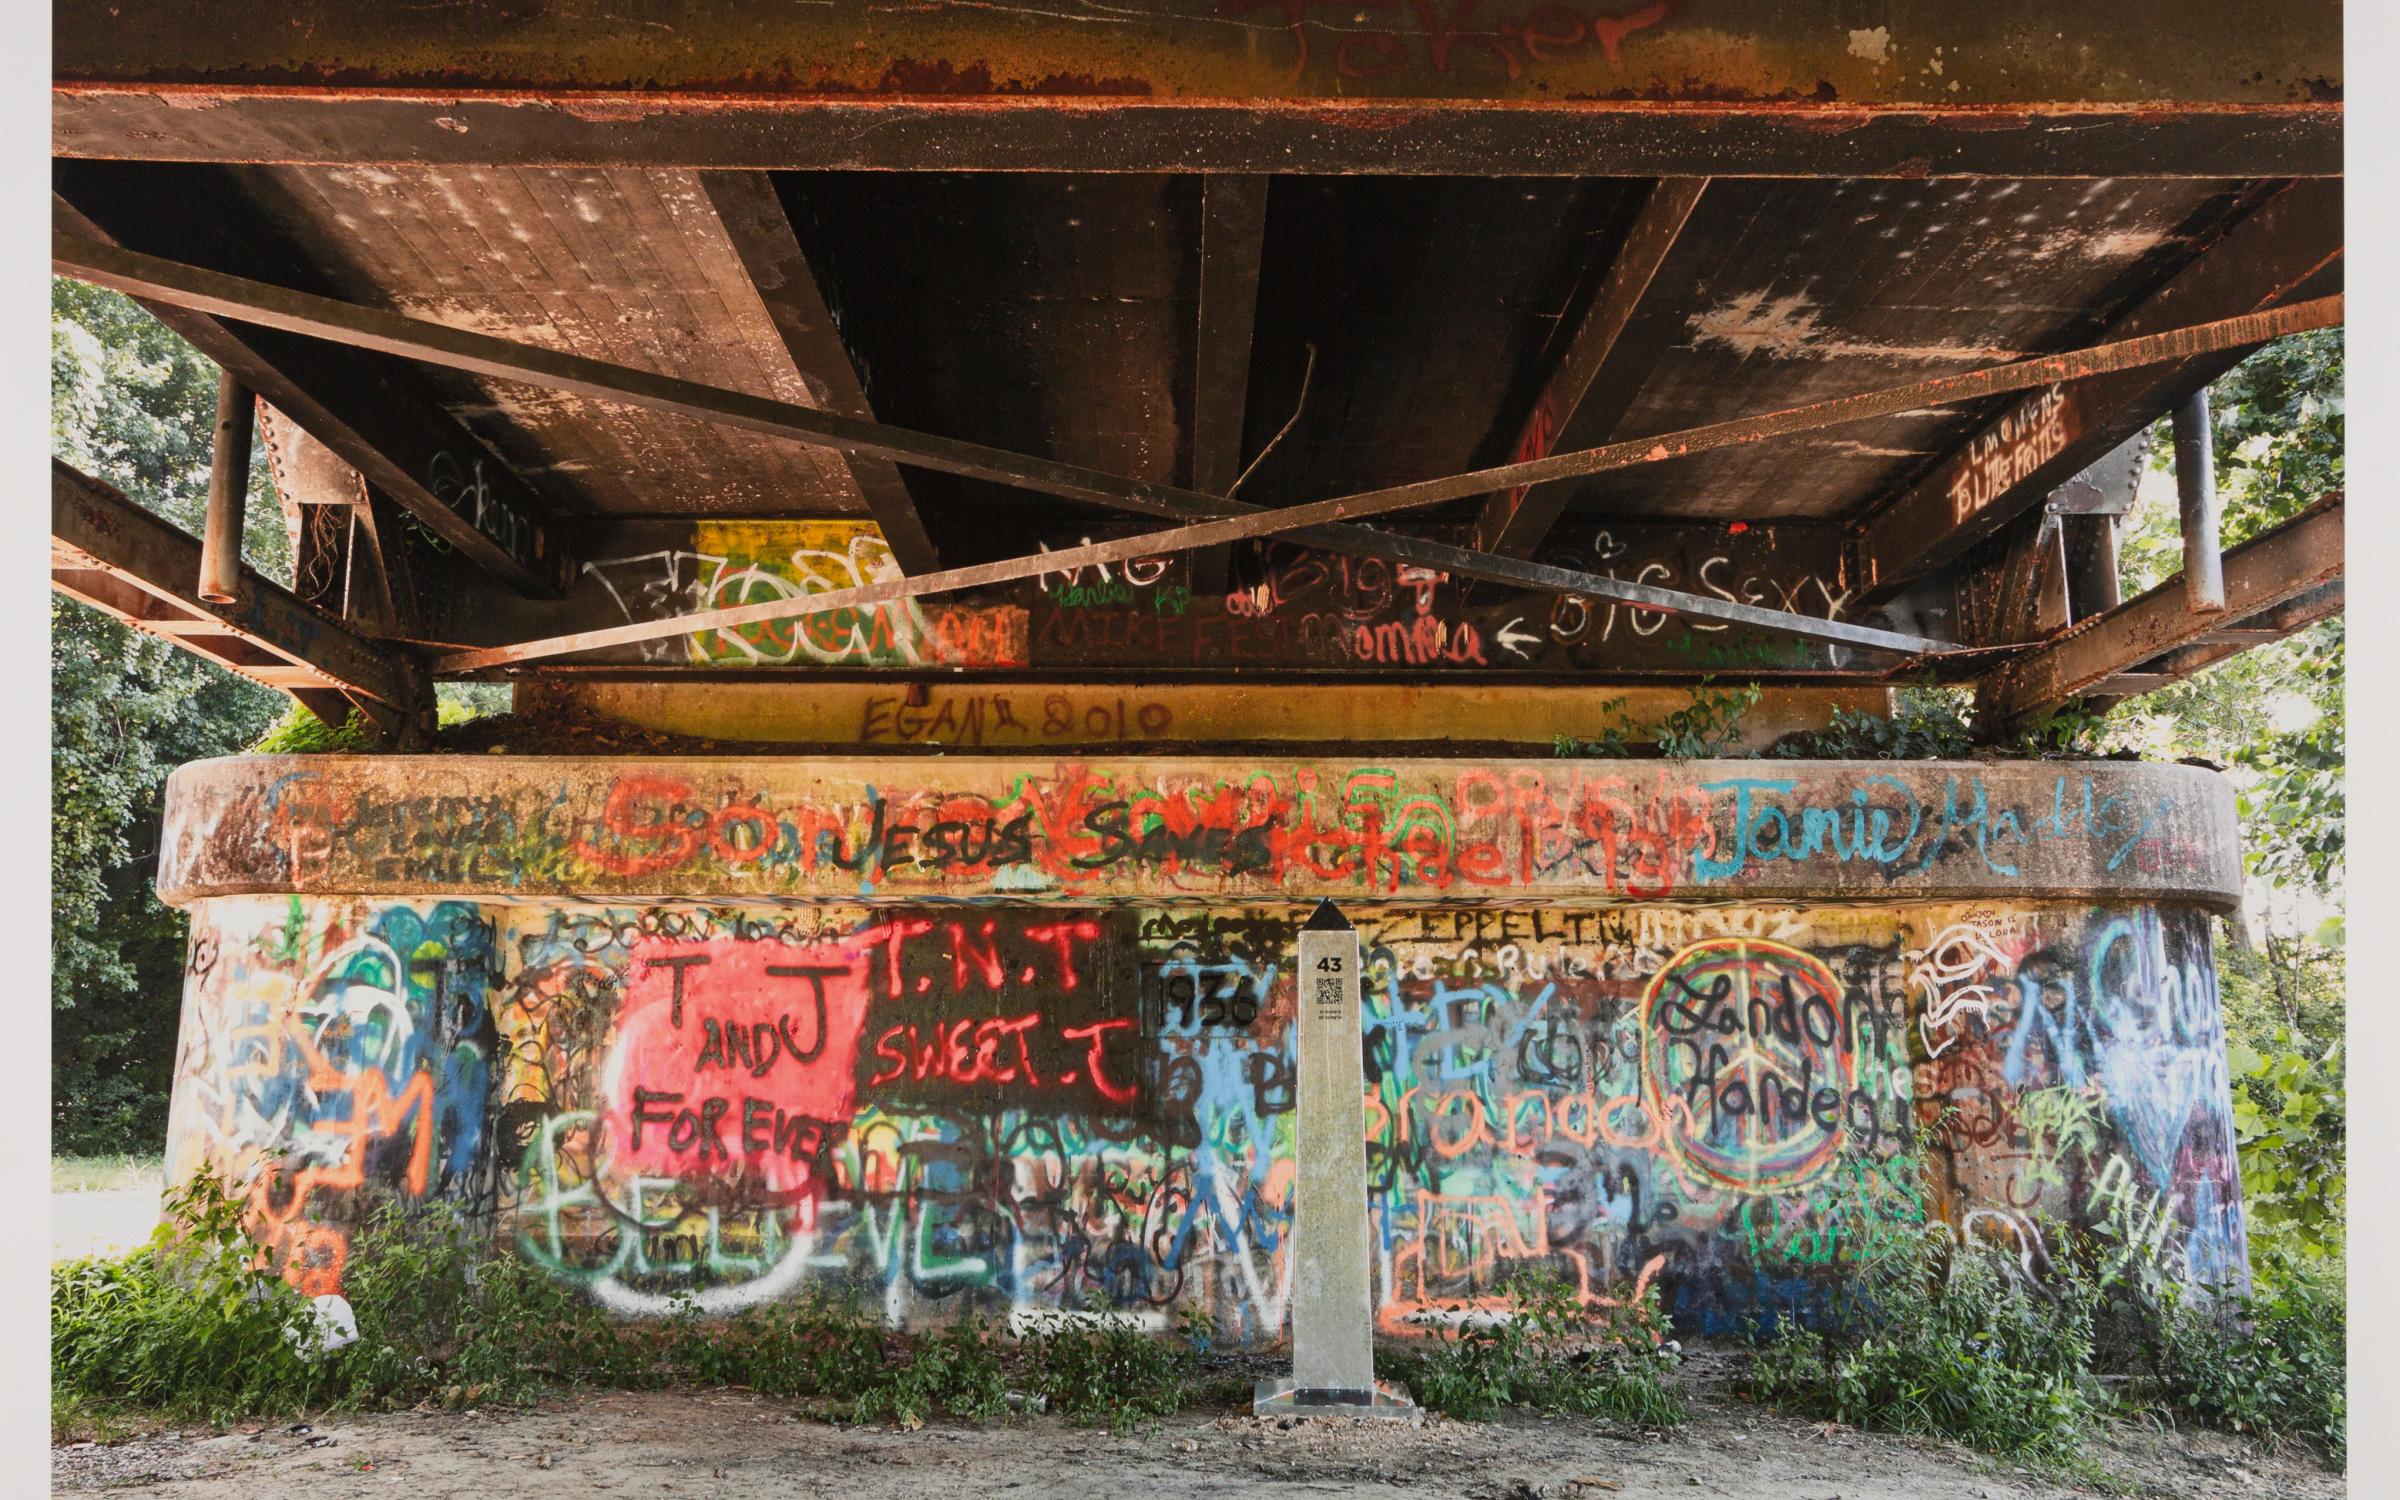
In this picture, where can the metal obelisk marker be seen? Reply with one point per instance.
(1333, 1307)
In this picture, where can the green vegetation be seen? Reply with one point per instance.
(1927, 722)
(1107, 1370)
(131, 404)
(1706, 728)
(1961, 1341)
(2290, 1119)
(2273, 1363)
(1951, 1342)
(106, 1173)
(198, 1325)
(300, 732)
(1957, 1341)
(1548, 1352)
(185, 1326)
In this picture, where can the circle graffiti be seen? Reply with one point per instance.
(1747, 1062)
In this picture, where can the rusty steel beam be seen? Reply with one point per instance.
(2284, 620)
(221, 296)
(394, 128)
(2286, 250)
(2173, 346)
(237, 298)
(2300, 558)
(1458, 560)
(754, 221)
(1732, 87)
(119, 558)
(234, 297)
(1515, 521)
(377, 414)
(1233, 241)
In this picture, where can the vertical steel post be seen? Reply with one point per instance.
(2196, 487)
(228, 493)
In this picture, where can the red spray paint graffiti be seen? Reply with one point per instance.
(734, 1060)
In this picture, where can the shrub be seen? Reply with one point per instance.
(818, 1346)
(1105, 1369)
(1707, 727)
(191, 1325)
(1548, 1351)
(300, 732)
(1926, 723)
(2272, 1363)
(955, 1372)
(1954, 1343)
(2291, 1123)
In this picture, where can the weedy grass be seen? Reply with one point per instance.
(200, 1325)
(1105, 1369)
(106, 1174)
(1957, 1341)
(189, 1325)
(1547, 1351)
(2273, 1363)
(1955, 1345)
(1706, 727)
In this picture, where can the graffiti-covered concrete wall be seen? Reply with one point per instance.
(1011, 1105)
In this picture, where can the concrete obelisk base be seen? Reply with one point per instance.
(1333, 1307)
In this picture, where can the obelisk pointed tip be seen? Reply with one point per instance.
(1326, 918)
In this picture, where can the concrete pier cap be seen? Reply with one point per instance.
(1015, 1035)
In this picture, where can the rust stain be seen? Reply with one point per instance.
(1799, 111)
(941, 77)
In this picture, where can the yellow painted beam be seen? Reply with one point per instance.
(987, 717)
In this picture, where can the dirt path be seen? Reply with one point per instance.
(732, 1444)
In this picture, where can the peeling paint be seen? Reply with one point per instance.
(1873, 45)
(1853, 448)
(1788, 328)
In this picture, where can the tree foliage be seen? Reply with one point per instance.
(133, 405)
(2274, 715)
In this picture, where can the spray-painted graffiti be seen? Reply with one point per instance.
(2089, 1083)
(1434, 39)
(1033, 1109)
(999, 717)
(469, 492)
(2005, 455)
(332, 1058)
(1283, 606)
(727, 564)
(1177, 830)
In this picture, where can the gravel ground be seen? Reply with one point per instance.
(727, 1443)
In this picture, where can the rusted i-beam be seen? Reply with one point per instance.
(2180, 343)
(2298, 558)
(480, 354)
(236, 297)
(239, 299)
(1300, 519)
